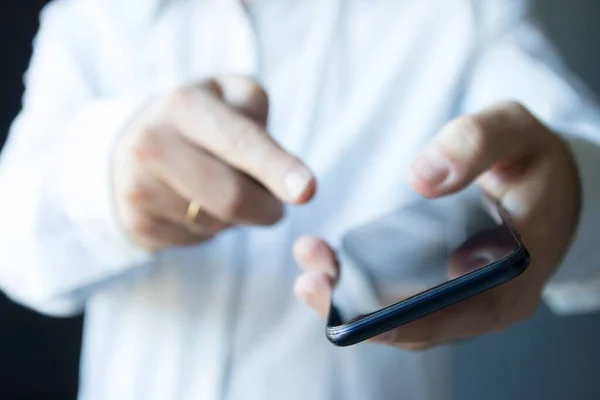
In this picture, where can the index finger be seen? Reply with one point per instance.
(242, 143)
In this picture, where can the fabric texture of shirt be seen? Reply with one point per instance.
(356, 88)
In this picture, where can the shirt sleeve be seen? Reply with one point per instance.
(516, 62)
(59, 236)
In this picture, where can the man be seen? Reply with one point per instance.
(142, 182)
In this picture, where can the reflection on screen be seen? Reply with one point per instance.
(415, 249)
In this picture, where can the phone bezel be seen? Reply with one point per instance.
(431, 300)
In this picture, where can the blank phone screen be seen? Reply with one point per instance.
(416, 248)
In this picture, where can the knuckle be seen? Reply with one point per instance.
(137, 194)
(148, 143)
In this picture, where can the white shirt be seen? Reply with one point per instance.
(357, 88)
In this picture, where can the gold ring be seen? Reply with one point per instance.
(192, 212)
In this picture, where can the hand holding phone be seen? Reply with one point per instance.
(423, 258)
(530, 172)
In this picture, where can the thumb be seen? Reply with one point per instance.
(503, 139)
(245, 95)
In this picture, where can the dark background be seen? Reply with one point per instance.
(546, 358)
(39, 356)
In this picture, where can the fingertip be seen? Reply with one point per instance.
(300, 184)
(308, 193)
(422, 188)
(312, 253)
(432, 174)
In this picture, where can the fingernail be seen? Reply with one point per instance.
(431, 167)
(297, 181)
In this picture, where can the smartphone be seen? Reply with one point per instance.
(417, 260)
